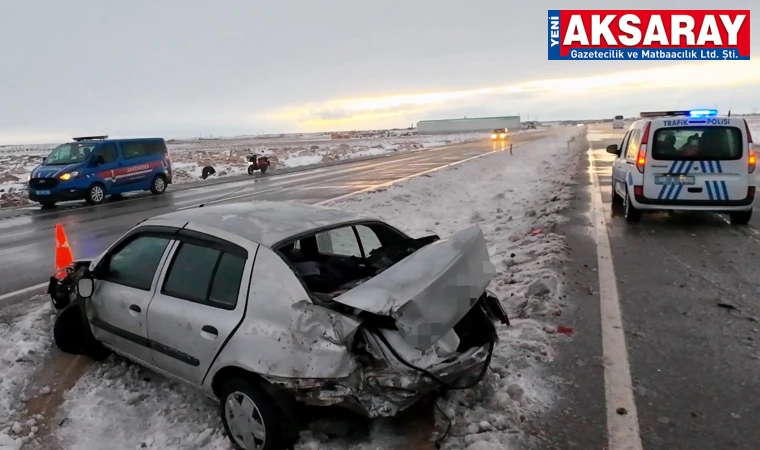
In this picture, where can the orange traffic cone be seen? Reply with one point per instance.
(63, 255)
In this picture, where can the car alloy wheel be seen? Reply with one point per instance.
(245, 421)
(97, 194)
(159, 184)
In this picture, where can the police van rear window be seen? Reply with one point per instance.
(697, 143)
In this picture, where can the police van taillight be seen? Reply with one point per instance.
(641, 158)
(752, 157)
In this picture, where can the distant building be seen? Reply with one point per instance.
(511, 123)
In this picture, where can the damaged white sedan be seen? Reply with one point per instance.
(266, 306)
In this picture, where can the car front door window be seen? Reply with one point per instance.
(368, 238)
(135, 264)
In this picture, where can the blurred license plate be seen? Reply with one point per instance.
(43, 192)
(674, 180)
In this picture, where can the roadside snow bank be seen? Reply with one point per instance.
(24, 342)
(516, 201)
(754, 126)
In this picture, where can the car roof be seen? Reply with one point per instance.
(99, 141)
(266, 223)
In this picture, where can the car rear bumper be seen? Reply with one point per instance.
(58, 195)
(744, 204)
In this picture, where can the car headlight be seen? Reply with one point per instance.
(503, 135)
(68, 176)
(493, 136)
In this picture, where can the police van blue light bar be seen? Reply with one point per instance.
(695, 113)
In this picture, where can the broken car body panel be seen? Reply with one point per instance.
(431, 290)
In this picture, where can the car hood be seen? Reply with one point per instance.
(53, 171)
(431, 290)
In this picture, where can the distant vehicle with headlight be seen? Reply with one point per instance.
(499, 134)
(92, 168)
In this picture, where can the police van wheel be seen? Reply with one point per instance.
(740, 217)
(158, 186)
(96, 194)
(630, 212)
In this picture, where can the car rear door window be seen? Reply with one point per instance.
(698, 143)
(368, 238)
(227, 279)
(135, 263)
(154, 147)
(133, 150)
(205, 275)
(191, 272)
(341, 241)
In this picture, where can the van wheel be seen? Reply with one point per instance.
(251, 418)
(158, 186)
(96, 194)
(740, 217)
(630, 212)
(207, 172)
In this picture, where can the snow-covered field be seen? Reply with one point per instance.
(516, 200)
(228, 155)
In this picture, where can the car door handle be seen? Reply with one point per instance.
(209, 332)
(135, 310)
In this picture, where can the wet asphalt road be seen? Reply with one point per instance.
(690, 297)
(27, 235)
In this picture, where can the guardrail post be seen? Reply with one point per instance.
(510, 148)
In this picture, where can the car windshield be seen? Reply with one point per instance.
(498, 130)
(69, 154)
(618, 117)
(698, 143)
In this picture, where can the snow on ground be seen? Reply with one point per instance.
(24, 341)
(228, 156)
(754, 126)
(516, 200)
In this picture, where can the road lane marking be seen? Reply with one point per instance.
(10, 295)
(623, 431)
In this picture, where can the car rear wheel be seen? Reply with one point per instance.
(631, 213)
(251, 418)
(207, 172)
(47, 204)
(740, 217)
(158, 186)
(96, 194)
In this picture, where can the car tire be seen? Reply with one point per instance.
(96, 194)
(70, 334)
(740, 217)
(47, 204)
(207, 172)
(158, 185)
(277, 434)
(630, 212)
(251, 169)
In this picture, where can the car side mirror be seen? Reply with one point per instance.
(44, 158)
(613, 149)
(85, 287)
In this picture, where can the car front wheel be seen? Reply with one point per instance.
(251, 418)
(96, 194)
(159, 185)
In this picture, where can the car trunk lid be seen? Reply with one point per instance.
(431, 290)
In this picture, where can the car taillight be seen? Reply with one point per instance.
(638, 191)
(641, 159)
(751, 160)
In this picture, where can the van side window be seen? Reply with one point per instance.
(109, 154)
(154, 148)
(633, 145)
(133, 150)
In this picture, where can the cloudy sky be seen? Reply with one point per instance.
(179, 68)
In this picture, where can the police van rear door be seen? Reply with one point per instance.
(697, 158)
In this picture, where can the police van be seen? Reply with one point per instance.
(685, 160)
(94, 167)
(618, 122)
